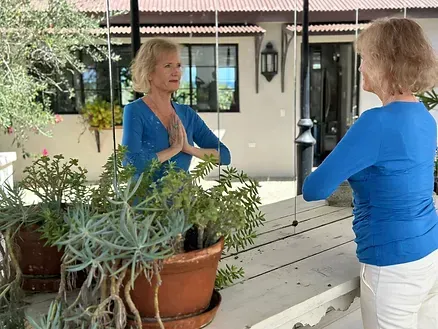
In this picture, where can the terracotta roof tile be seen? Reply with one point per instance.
(250, 5)
(160, 30)
(329, 27)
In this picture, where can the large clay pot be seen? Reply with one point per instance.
(40, 264)
(187, 284)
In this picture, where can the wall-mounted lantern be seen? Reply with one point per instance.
(269, 62)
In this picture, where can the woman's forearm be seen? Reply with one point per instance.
(167, 154)
(202, 153)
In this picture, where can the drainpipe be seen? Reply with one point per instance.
(135, 32)
(305, 140)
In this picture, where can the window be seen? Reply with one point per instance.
(94, 82)
(199, 87)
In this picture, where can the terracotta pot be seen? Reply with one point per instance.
(193, 322)
(34, 257)
(187, 284)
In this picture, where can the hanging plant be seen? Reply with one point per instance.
(98, 114)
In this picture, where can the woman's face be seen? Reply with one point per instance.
(167, 74)
(366, 72)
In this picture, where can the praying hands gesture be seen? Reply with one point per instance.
(179, 143)
(177, 134)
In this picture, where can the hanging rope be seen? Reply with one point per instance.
(354, 107)
(295, 103)
(216, 22)
(110, 67)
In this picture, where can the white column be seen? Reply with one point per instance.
(6, 168)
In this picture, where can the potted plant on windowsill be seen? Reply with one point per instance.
(152, 247)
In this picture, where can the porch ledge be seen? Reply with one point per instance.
(7, 158)
(293, 275)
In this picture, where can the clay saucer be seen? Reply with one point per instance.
(191, 322)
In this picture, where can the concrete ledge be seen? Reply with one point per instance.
(342, 197)
(311, 311)
(6, 168)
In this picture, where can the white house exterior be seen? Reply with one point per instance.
(261, 134)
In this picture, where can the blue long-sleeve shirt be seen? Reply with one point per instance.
(144, 136)
(388, 158)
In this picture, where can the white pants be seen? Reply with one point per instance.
(402, 296)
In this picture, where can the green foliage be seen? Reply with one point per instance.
(219, 211)
(53, 319)
(98, 114)
(107, 180)
(226, 276)
(57, 183)
(430, 99)
(38, 57)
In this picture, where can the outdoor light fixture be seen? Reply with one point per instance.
(269, 61)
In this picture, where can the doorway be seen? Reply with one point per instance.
(332, 94)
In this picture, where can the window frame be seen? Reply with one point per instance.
(237, 77)
(117, 90)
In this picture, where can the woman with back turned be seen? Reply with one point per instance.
(388, 158)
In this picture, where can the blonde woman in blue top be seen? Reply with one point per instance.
(388, 158)
(154, 127)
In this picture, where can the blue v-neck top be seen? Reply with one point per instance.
(388, 158)
(144, 136)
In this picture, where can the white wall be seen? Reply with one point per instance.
(66, 140)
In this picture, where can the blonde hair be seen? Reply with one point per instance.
(400, 54)
(146, 59)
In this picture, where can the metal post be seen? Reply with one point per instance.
(135, 32)
(305, 140)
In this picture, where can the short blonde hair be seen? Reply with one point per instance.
(146, 59)
(400, 55)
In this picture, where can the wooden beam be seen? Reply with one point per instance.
(286, 39)
(258, 45)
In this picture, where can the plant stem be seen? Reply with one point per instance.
(156, 303)
(129, 301)
(104, 289)
(179, 244)
(14, 261)
(200, 237)
(62, 285)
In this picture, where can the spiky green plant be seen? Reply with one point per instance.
(131, 239)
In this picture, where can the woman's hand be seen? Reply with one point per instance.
(187, 148)
(176, 136)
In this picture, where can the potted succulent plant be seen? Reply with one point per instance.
(152, 247)
(31, 229)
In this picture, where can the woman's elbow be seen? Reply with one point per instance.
(311, 192)
(225, 156)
